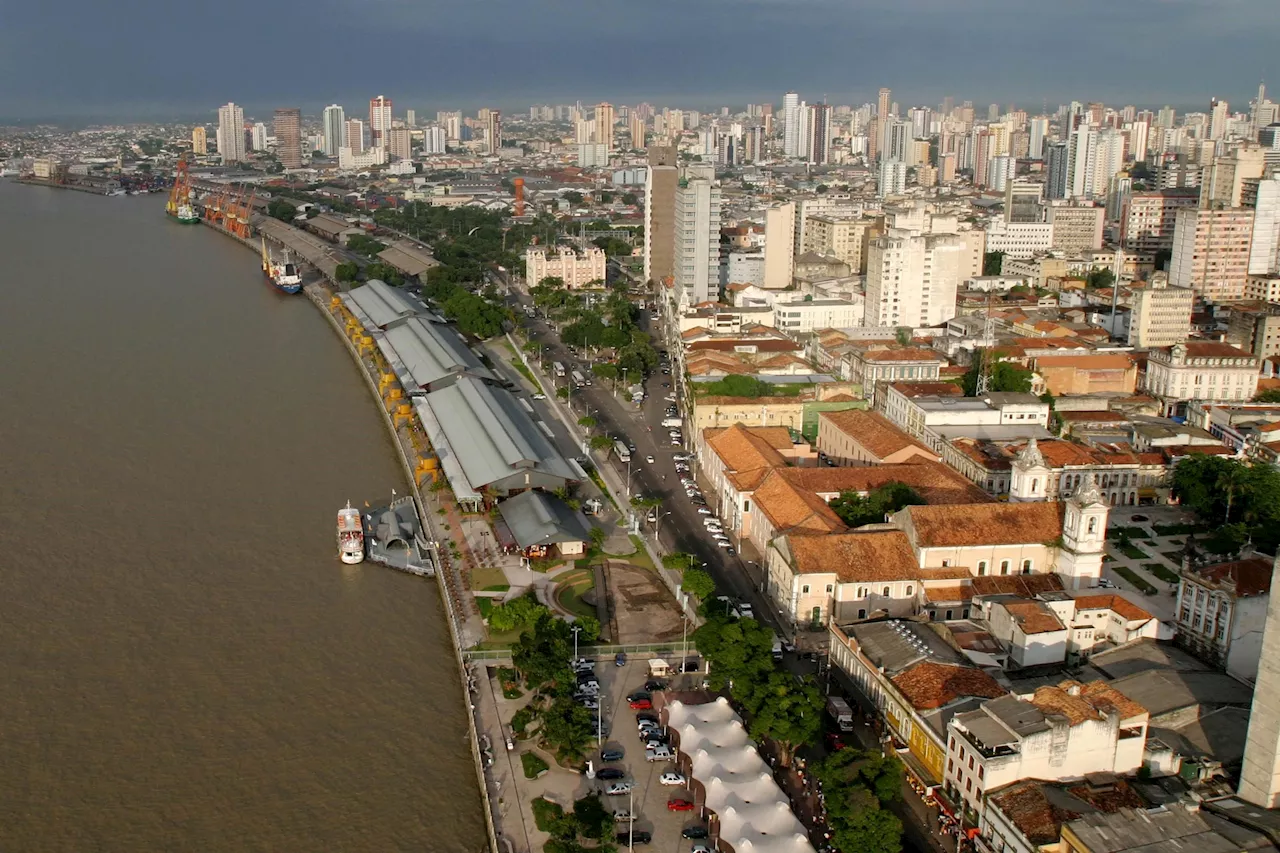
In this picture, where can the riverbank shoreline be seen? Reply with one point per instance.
(320, 294)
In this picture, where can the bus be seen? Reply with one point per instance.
(578, 381)
(559, 369)
(624, 452)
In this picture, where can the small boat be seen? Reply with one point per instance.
(350, 535)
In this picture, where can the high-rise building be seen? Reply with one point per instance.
(410, 118)
(947, 168)
(451, 121)
(434, 140)
(912, 277)
(1001, 171)
(1023, 202)
(258, 137)
(1076, 227)
(791, 121)
(1039, 132)
(697, 240)
(356, 136)
(1264, 253)
(1260, 772)
(1139, 140)
(1222, 183)
(635, 127)
(287, 125)
(920, 122)
(399, 143)
(1161, 315)
(593, 155)
(199, 140)
(818, 133)
(1081, 163)
(883, 101)
(379, 120)
(779, 245)
(843, 237)
(895, 139)
(231, 126)
(334, 120)
(1147, 221)
(893, 178)
(1218, 116)
(604, 118)
(1211, 251)
(493, 131)
(660, 187)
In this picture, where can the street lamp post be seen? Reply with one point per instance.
(577, 629)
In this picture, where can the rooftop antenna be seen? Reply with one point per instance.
(983, 386)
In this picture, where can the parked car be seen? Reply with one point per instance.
(617, 789)
(611, 773)
(620, 659)
(702, 510)
(694, 832)
(623, 816)
(636, 837)
(641, 705)
(655, 684)
(725, 544)
(672, 779)
(662, 753)
(539, 396)
(655, 741)
(611, 755)
(639, 694)
(646, 718)
(679, 805)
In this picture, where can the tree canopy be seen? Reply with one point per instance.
(856, 510)
(1005, 376)
(858, 785)
(698, 583)
(1239, 500)
(992, 262)
(737, 385)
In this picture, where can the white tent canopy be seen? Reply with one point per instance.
(755, 815)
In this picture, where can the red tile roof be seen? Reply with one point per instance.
(874, 432)
(1251, 576)
(1118, 604)
(872, 556)
(985, 524)
(929, 685)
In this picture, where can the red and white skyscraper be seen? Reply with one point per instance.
(379, 119)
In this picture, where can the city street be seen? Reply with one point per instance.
(679, 525)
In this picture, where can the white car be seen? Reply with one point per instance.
(649, 459)
(623, 816)
(710, 522)
(539, 396)
(617, 789)
(719, 536)
(702, 510)
(672, 779)
(661, 753)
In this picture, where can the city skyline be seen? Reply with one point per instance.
(923, 49)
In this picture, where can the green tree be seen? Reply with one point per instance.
(573, 197)
(903, 336)
(740, 651)
(992, 263)
(1005, 376)
(856, 510)
(605, 370)
(594, 820)
(587, 422)
(346, 272)
(630, 198)
(542, 655)
(698, 583)
(597, 537)
(645, 501)
(363, 244)
(567, 728)
(522, 612)
(590, 626)
(870, 831)
(1099, 278)
(782, 710)
(562, 393)
(280, 209)
(1271, 395)
(600, 442)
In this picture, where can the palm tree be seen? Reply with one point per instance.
(1231, 480)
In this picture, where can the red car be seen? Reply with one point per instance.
(641, 704)
(679, 806)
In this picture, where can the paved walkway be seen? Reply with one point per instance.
(1153, 559)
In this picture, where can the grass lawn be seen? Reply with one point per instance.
(527, 374)
(510, 682)
(489, 578)
(569, 590)
(1129, 575)
(1160, 571)
(1133, 552)
(545, 812)
(640, 557)
(1174, 557)
(533, 766)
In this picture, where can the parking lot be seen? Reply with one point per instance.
(648, 798)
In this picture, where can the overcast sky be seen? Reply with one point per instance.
(151, 58)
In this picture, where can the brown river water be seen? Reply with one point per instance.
(184, 664)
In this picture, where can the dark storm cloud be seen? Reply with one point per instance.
(148, 57)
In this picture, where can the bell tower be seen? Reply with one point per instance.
(1029, 475)
(1084, 538)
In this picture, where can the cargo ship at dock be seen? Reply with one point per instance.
(282, 272)
(180, 206)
